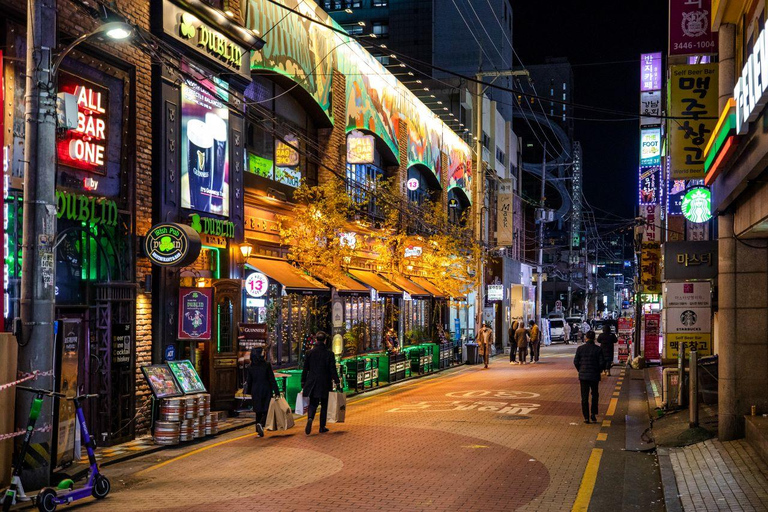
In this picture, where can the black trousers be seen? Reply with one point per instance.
(522, 353)
(261, 418)
(535, 347)
(588, 386)
(512, 352)
(313, 403)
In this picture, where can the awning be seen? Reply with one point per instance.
(410, 287)
(375, 282)
(431, 288)
(345, 284)
(286, 274)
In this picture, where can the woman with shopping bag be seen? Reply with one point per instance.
(261, 384)
(318, 376)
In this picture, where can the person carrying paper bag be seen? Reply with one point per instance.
(318, 376)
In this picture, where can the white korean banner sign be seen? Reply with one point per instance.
(652, 226)
(504, 214)
(688, 320)
(688, 295)
(650, 105)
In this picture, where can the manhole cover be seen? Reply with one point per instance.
(514, 417)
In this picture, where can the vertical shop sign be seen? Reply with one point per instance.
(650, 71)
(195, 313)
(204, 148)
(650, 146)
(69, 332)
(694, 111)
(121, 344)
(651, 222)
(625, 330)
(650, 108)
(689, 27)
(650, 185)
(651, 338)
(504, 234)
(650, 267)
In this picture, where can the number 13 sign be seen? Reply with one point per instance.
(256, 284)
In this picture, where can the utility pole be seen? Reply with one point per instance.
(540, 283)
(479, 200)
(36, 339)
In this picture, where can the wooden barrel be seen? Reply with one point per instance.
(172, 409)
(185, 431)
(190, 411)
(201, 427)
(205, 400)
(167, 432)
(196, 428)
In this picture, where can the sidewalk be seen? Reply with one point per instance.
(720, 476)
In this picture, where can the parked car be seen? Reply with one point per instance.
(597, 325)
(556, 329)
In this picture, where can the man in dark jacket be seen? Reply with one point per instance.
(589, 362)
(316, 379)
(521, 342)
(607, 340)
(512, 343)
(261, 384)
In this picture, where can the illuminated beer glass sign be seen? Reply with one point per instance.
(85, 147)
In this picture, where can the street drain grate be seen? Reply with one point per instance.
(514, 417)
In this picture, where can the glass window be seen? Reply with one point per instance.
(381, 28)
(380, 3)
(353, 29)
(362, 182)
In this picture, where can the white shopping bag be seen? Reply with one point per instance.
(301, 404)
(337, 407)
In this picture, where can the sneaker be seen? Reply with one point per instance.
(323, 430)
(260, 430)
(594, 419)
(308, 428)
(586, 421)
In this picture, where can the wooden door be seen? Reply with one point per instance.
(223, 353)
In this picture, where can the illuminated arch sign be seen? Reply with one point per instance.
(697, 204)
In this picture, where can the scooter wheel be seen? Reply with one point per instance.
(101, 487)
(46, 500)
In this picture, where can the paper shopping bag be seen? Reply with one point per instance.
(337, 407)
(283, 414)
(301, 404)
(271, 423)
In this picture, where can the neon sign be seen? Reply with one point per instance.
(85, 147)
(360, 148)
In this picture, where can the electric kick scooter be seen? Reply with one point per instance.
(49, 498)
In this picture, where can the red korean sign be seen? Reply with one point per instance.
(85, 147)
(651, 338)
(690, 29)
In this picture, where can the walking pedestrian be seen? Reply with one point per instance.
(589, 362)
(607, 340)
(534, 334)
(484, 341)
(316, 380)
(262, 386)
(584, 328)
(567, 332)
(511, 341)
(521, 340)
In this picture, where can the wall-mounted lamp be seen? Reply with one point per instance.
(246, 249)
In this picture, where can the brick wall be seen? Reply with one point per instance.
(139, 157)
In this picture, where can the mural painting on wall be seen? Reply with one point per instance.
(376, 101)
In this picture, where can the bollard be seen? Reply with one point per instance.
(693, 385)
(681, 402)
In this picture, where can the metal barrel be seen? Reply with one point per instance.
(166, 432)
(191, 407)
(185, 431)
(172, 409)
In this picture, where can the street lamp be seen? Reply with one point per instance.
(114, 31)
(246, 249)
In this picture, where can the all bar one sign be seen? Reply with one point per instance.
(85, 147)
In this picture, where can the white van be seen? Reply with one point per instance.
(557, 329)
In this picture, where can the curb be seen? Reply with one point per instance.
(668, 481)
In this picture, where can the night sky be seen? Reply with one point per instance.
(597, 33)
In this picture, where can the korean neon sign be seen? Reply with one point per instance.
(85, 147)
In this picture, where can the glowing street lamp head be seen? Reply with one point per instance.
(117, 30)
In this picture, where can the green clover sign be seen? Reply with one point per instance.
(187, 27)
(166, 244)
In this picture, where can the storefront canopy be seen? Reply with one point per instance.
(286, 274)
(345, 284)
(431, 288)
(409, 287)
(375, 282)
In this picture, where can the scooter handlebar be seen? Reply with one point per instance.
(45, 392)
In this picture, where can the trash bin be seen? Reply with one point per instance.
(472, 353)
